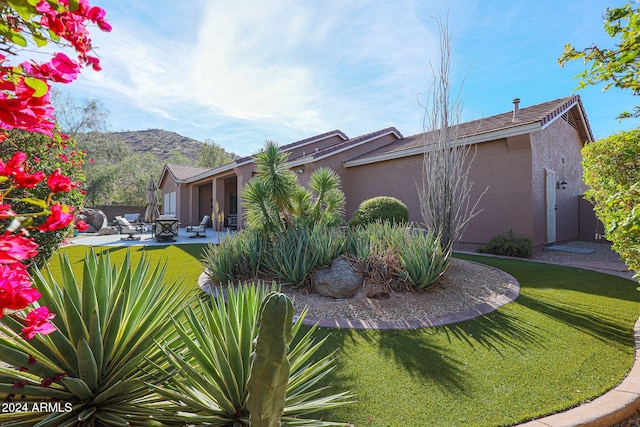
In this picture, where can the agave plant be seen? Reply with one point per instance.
(423, 260)
(99, 360)
(213, 372)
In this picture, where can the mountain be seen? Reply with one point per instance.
(161, 143)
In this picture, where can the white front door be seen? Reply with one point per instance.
(550, 180)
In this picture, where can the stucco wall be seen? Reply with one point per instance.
(557, 148)
(502, 166)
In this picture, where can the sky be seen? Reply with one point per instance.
(239, 72)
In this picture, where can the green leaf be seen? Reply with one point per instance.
(36, 202)
(18, 39)
(77, 387)
(74, 5)
(40, 87)
(22, 8)
(87, 366)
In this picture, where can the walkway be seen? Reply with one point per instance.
(146, 239)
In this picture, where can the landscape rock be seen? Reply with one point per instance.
(338, 281)
(107, 231)
(95, 219)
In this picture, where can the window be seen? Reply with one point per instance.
(169, 204)
(233, 204)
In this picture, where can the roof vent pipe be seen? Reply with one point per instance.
(516, 109)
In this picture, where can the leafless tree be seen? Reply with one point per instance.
(445, 190)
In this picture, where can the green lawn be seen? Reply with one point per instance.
(565, 340)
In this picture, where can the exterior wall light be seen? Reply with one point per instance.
(562, 184)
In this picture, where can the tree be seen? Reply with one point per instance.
(445, 190)
(73, 118)
(617, 66)
(213, 155)
(612, 165)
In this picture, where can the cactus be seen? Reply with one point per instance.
(270, 367)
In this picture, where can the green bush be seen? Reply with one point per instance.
(508, 244)
(612, 172)
(380, 208)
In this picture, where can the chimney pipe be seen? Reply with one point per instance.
(516, 109)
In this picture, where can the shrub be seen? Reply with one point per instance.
(290, 256)
(379, 209)
(238, 256)
(390, 255)
(508, 245)
(612, 172)
(104, 354)
(422, 258)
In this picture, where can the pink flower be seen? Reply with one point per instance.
(59, 183)
(6, 211)
(15, 288)
(59, 218)
(39, 322)
(15, 169)
(16, 248)
(81, 226)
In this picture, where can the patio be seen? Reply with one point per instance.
(146, 239)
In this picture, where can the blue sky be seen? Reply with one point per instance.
(241, 71)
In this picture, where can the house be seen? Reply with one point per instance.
(528, 160)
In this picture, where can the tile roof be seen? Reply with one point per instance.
(182, 172)
(356, 140)
(540, 113)
(295, 144)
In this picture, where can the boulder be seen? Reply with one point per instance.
(95, 219)
(337, 281)
(107, 231)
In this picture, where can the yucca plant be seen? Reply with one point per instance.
(211, 385)
(102, 355)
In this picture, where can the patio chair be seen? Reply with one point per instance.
(200, 228)
(127, 228)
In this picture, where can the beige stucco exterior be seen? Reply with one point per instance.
(511, 160)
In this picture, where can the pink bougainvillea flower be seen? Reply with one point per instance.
(81, 226)
(15, 288)
(13, 165)
(16, 248)
(59, 218)
(29, 180)
(6, 211)
(15, 168)
(39, 322)
(59, 183)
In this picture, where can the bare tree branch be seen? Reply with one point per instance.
(445, 190)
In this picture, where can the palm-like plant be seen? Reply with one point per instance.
(103, 352)
(274, 200)
(328, 204)
(213, 372)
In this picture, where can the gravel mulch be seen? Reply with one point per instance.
(464, 285)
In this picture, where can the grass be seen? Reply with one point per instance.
(565, 340)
